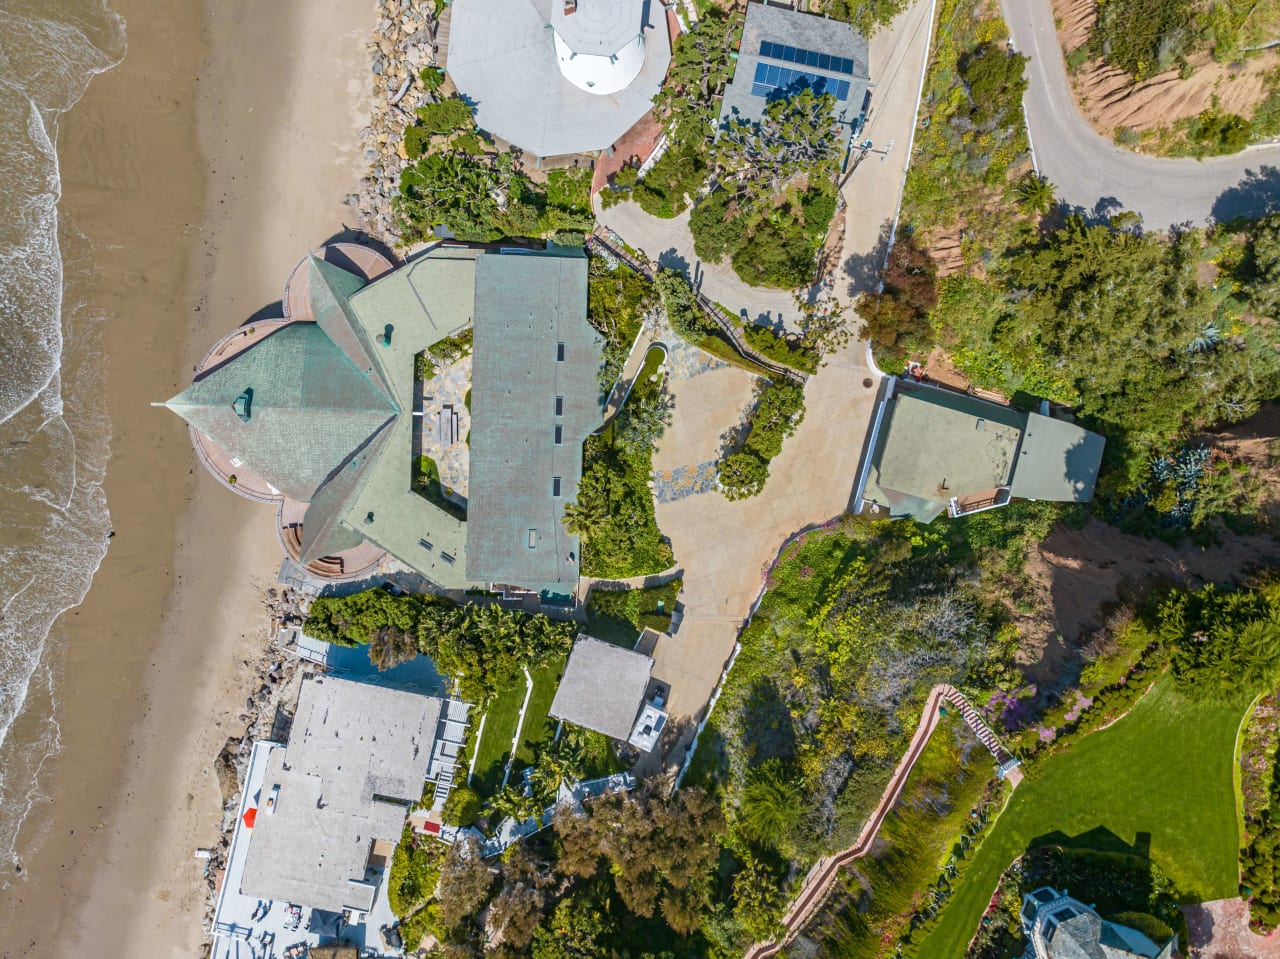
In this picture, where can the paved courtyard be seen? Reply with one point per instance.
(449, 387)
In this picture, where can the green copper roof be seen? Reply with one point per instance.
(309, 408)
(322, 531)
(331, 291)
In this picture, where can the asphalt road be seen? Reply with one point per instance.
(1094, 175)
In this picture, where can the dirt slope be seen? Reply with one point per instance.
(1110, 101)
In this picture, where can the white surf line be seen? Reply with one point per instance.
(515, 740)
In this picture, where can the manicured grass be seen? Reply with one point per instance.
(495, 745)
(538, 727)
(618, 616)
(1159, 782)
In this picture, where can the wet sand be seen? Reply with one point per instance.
(200, 170)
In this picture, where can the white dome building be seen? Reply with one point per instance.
(556, 77)
(599, 43)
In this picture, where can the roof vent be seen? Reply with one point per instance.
(244, 405)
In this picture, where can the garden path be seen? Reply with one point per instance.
(823, 875)
(1221, 928)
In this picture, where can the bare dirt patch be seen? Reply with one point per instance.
(1110, 100)
(1077, 574)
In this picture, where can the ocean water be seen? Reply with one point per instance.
(54, 429)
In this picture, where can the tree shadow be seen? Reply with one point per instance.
(766, 723)
(1255, 196)
(863, 270)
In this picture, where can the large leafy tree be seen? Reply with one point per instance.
(1264, 286)
(1124, 317)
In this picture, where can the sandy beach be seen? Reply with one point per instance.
(196, 173)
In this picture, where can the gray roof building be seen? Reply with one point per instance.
(1059, 927)
(783, 51)
(933, 450)
(535, 399)
(356, 761)
(559, 76)
(603, 687)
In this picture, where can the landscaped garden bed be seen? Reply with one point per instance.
(620, 615)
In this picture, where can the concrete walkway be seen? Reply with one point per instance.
(1094, 174)
(670, 244)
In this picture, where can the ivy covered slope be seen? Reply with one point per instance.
(859, 621)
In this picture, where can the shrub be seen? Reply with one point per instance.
(742, 475)
(415, 871)
(897, 320)
(683, 312)
(778, 411)
(445, 116)
(717, 229)
(1220, 132)
(432, 78)
(462, 808)
(1143, 37)
(787, 350)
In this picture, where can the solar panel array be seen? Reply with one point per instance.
(806, 58)
(770, 78)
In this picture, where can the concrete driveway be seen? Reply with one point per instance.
(1095, 175)
(726, 548)
(670, 244)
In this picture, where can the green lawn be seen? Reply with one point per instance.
(538, 726)
(495, 744)
(1159, 782)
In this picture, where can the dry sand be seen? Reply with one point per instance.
(201, 170)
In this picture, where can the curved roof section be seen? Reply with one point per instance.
(293, 407)
(599, 27)
(502, 57)
(601, 75)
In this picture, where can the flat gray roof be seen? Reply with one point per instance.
(530, 412)
(502, 58)
(603, 687)
(936, 445)
(356, 759)
(791, 30)
(1057, 461)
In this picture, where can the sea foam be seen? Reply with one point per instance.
(54, 432)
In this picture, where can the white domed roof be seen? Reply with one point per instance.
(597, 27)
(601, 75)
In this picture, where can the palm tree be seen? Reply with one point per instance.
(1035, 193)
(582, 519)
